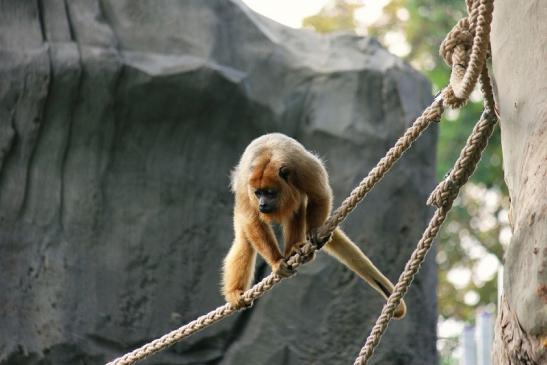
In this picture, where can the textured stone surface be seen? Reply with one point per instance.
(119, 123)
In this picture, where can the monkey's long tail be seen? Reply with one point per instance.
(347, 252)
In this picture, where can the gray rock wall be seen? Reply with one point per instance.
(119, 124)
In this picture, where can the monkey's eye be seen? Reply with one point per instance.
(284, 173)
(270, 193)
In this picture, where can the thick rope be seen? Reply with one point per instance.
(443, 196)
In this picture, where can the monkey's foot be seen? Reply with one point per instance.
(236, 299)
(282, 269)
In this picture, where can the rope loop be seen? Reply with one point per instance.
(465, 49)
(457, 43)
(455, 49)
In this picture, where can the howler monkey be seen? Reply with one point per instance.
(278, 181)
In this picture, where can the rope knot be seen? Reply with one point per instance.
(444, 193)
(456, 52)
(456, 46)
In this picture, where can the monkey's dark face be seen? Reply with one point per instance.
(267, 200)
(271, 191)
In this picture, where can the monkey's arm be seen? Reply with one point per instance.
(314, 182)
(262, 238)
(345, 251)
(294, 230)
(238, 268)
(317, 212)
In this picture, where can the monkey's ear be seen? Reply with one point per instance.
(284, 173)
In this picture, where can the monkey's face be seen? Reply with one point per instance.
(271, 192)
(267, 199)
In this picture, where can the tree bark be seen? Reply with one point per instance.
(519, 59)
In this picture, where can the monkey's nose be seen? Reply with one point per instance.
(264, 208)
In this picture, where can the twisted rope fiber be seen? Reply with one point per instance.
(471, 6)
(430, 114)
(487, 93)
(466, 163)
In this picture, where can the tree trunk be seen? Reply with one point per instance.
(519, 59)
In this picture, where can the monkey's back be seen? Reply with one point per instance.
(279, 149)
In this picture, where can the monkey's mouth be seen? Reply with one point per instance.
(266, 210)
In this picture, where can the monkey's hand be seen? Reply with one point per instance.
(305, 252)
(282, 269)
(314, 236)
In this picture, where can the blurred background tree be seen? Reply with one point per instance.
(470, 244)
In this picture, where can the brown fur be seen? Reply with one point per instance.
(304, 202)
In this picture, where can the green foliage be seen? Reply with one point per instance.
(424, 24)
(337, 16)
(448, 360)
